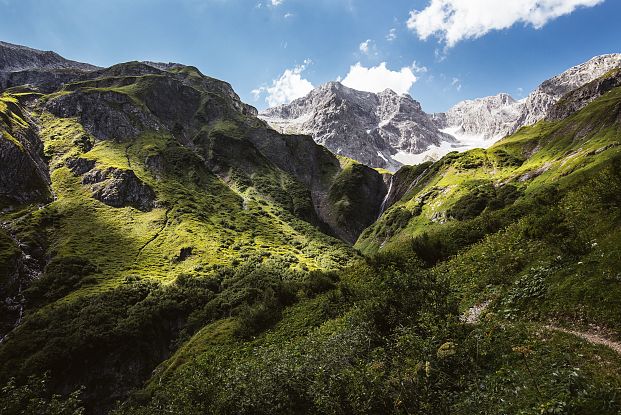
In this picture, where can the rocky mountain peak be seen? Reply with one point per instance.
(373, 128)
(541, 100)
(489, 118)
(14, 58)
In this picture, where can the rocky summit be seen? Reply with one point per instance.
(387, 130)
(371, 128)
(491, 118)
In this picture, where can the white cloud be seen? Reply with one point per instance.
(418, 69)
(288, 87)
(456, 83)
(369, 48)
(455, 20)
(276, 2)
(365, 46)
(288, 15)
(392, 35)
(379, 78)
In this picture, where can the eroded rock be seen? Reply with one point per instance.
(120, 188)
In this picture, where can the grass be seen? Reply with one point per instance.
(325, 354)
(8, 255)
(243, 307)
(211, 222)
(11, 119)
(550, 247)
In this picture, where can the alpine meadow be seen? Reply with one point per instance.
(168, 248)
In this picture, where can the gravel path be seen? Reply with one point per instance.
(590, 337)
(473, 314)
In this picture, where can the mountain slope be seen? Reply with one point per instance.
(20, 65)
(129, 183)
(374, 129)
(480, 122)
(529, 210)
(542, 99)
(525, 232)
(165, 250)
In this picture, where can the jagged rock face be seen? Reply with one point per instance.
(104, 114)
(581, 97)
(491, 117)
(22, 181)
(367, 127)
(541, 100)
(20, 65)
(14, 58)
(120, 188)
(173, 101)
(24, 176)
(381, 129)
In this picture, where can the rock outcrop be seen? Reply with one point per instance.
(542, 99)
(367, 127)
(120, 188)
(24, 176)
(581, 97)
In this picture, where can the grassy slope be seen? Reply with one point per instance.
(385, 336)
(95, 252)
(385, 340)
(195, 209)
(554, 246)
(547, 249)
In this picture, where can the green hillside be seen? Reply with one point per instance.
(530, 228)
(163, 251)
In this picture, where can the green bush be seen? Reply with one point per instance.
(62, 276)
(33, 397)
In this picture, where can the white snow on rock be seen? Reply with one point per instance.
(388, 129)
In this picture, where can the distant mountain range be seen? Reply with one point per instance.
(387, 130)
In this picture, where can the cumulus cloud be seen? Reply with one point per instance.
(392, 35)
(455, 20)
(379, 78)
(276, 2)
(289, 86)
(418, 68)
(365, 46)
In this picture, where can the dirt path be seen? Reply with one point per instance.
(589, 337)
(473, 314)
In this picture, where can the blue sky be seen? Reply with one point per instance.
(440, 51)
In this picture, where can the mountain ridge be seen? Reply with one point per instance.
(468, 124)
(372, 128)
(162, 250)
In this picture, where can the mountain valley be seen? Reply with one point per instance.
(166, 248)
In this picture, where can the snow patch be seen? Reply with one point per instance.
(464, 142)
